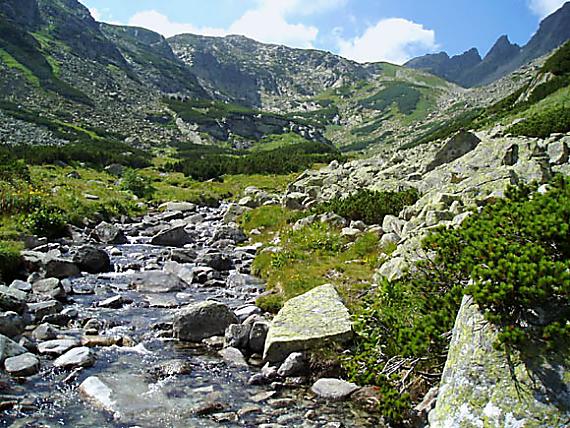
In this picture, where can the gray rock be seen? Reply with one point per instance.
(61, 268)
(92, 260)
(110, 234)
(11, 324)
(114, 302)
(511, 156)
(247, 311)
(230, 232)
(174, 237)
(258, 335)
(294, 365)
(478, 388)
(217, 261)
(57, 347)
(12, 299)
(334, 389)
(76, 357)
(294, 200)
(22, 365)
(9, 348)
(233, 213)
(183, 255)
(98, 393)
(21, 285)
(202, 320)
(158, 282)
(179, 206)
(456, 147)
(44, 332)
(306, 322)
(237, 336)
(233, 356)
(558, 153)
(49, 287)
(42, 309)
(333, 219)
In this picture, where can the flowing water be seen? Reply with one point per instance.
(209, 392)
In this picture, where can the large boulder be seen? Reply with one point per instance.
(92, 260)
(230, 232)
(173, 237)
(333, 389)
(110, 234)
(480, 388)
(22, 365)
(60, 268)
(308, 321)
(202, 320)
(458, 146)
(49, 287)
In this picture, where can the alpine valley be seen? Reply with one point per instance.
(216, 232)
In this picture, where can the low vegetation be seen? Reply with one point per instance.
(513, 258)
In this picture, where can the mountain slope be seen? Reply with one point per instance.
(469, 70)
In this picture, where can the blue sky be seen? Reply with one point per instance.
(362, 30)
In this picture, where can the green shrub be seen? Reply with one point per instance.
(48, 221)
(9, 261)
(543, 124)
(404, 95)
(138, 184)
(513, 258)
(369, 206)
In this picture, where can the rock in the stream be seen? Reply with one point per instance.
(202, 320)
(110, 234)
(114, 302)
(9, 348)
(92, 260)
(185, 255)
(21, 285)
(158, 282)
(174, 237)
(22, 365)
(45, 332)
(57, 347)
(98, 394)
(61, 268)
(217, 261)
(233, 356)
(42, 309)
(237, 336)
(49, 287)
(11, 324)
(230, 232)
(12, 299)
(334, 389)
(258, 335)
(306, 322)
(76, 357)
(479, 389)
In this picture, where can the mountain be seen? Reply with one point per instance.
(263, 75)
(469, 69)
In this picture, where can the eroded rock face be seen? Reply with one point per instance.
(306, 322)
(477, 388)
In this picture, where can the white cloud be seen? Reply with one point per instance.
(156, 21)
(269, 22)
(394, 40)
(543, 8)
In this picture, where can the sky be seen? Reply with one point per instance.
(361, 30)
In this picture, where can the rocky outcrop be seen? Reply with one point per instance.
(306, 322)
(481, 387)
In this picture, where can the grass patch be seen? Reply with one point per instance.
(11, 62)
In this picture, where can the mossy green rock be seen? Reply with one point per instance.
(479, 389)
(307, 322)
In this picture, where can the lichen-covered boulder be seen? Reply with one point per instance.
(308, 321)
(478, 388)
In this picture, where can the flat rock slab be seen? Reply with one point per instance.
(76, 357)
(22, 365)
(306, 322)
(57, 346)
(334, 389)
